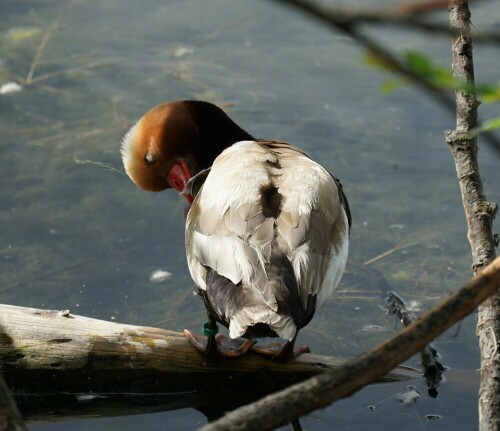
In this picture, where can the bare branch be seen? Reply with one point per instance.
(403, 15)
(479, 212)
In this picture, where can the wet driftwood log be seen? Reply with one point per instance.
(62, 366)
(48, 352)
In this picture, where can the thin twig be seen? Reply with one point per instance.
(41, 47)
(48, 75)
(404, 15)
(43, 43)
(397, 247)
(98, 164)
(333, 16)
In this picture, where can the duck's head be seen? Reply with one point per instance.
(174, 141)
(158, 151)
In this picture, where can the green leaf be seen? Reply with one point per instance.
(422, 66)
(390, 85)
(418, 62)
(432, 73)
(490, 125)
(377, 62)
(487, 126)
(488, 93)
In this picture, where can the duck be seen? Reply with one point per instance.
(267, 230)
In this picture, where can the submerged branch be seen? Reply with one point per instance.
(43, 43)
(433, 369)
(41, 48)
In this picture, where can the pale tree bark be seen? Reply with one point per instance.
(44, 351)
(478, 211)
(68, 366)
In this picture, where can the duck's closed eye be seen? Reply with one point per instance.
(149, 159)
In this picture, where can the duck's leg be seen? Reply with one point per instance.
(211, 331)
(281, 352)
(217, 346)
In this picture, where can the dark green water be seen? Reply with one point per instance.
(77, 235)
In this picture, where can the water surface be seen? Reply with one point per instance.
(77, 235)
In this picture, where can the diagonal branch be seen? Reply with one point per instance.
(320, 391)
(403, 15)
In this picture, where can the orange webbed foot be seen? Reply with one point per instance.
(278, 352)
(218, 346)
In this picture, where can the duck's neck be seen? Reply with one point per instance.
(217, 130)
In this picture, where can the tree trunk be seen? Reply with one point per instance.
(479, 212)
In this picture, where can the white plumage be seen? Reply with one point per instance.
(228, 231)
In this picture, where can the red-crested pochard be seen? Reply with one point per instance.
(267, 233)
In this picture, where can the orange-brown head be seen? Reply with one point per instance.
(174, 141)
(157, 151)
